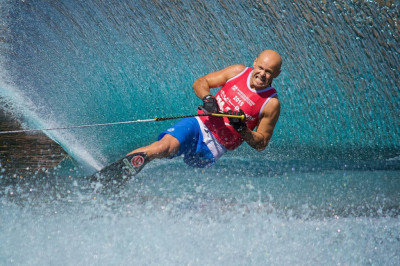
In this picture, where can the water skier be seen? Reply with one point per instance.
(203, 140)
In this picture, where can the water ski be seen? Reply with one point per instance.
(122, 170)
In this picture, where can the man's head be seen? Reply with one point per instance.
(267, 66)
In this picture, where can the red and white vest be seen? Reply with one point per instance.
(234, 95)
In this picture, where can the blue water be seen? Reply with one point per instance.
(325, 192)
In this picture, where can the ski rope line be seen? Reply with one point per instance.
(120, 123)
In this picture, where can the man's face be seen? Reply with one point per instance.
(265, 70)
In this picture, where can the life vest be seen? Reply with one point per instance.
(234, 95)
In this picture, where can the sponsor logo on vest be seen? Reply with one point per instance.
(222, 99)
(242, 95)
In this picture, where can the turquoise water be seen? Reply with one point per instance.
(325, 192)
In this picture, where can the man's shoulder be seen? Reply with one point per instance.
(272, 107)
(274, 102)
(234, 70)
(237, 67)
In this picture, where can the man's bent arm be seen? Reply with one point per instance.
(259, 139)
(216, 79)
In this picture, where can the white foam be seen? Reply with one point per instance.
(397, 158)
(20, 105)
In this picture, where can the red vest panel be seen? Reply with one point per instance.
(234, 95)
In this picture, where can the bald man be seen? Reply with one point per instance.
(203, 140)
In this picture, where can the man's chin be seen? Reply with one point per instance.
(260, 86)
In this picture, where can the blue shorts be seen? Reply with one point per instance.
(196, 153)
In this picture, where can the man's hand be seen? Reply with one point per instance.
(237, 123)
(210, 104)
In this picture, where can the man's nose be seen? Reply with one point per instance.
(264, 75)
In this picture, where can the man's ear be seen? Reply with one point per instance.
(277, 73)
(255, 62)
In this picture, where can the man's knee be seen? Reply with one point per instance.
(169, 144)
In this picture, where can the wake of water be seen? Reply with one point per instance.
(298, 214)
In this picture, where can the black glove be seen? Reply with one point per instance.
(210, 105)
(237, 123)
